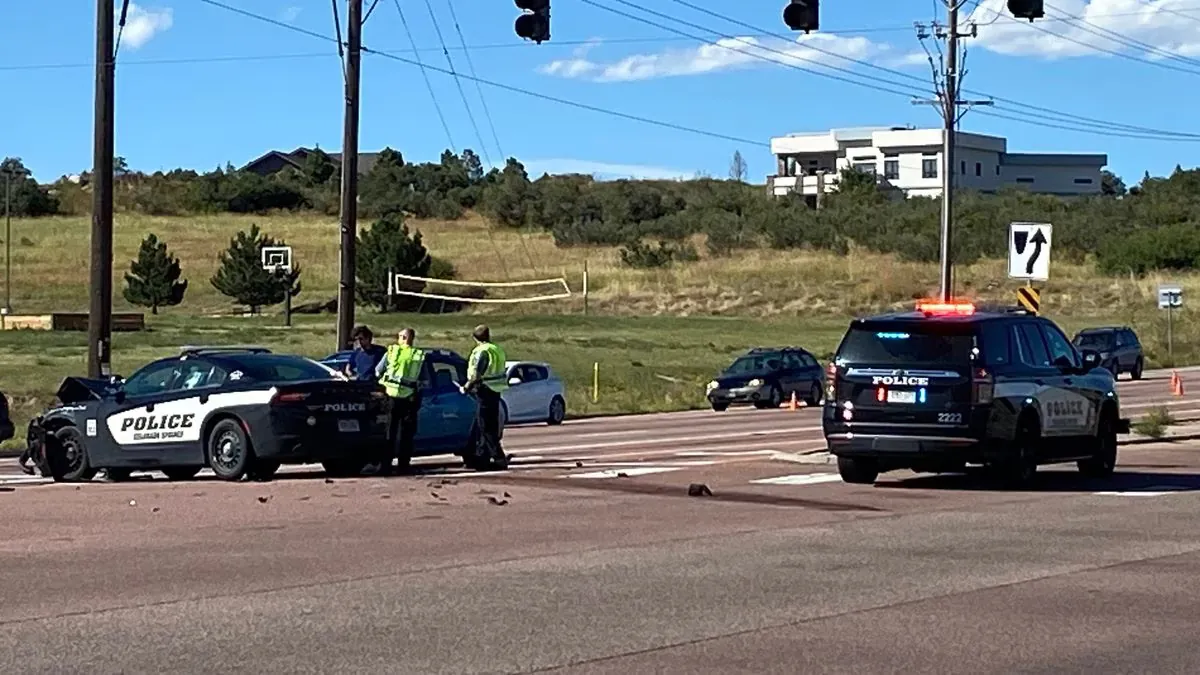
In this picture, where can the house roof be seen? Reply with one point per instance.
(297, 157)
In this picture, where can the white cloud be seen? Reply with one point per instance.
(290, 14)
(141, 25)
(602, 170)
(1172, 26)
(728, 54)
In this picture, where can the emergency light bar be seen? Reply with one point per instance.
(938, 307)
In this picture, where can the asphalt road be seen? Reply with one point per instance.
(590, 557)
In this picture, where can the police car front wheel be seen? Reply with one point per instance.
(69, 457)
(229, 454)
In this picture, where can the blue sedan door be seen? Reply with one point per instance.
(446, 414)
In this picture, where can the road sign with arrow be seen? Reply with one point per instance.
(1029, 251)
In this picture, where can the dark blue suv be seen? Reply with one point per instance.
(947, 385)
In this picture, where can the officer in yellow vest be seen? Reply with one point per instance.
(400, 374)
(486, 379)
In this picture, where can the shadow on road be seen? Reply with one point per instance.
(1050, 480)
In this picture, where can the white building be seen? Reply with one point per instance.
(910, 160)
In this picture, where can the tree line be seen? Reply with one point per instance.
(1152, 225)
(155, 278)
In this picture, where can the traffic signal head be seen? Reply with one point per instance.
(535, 23)
(802, 15)
(1027, 9)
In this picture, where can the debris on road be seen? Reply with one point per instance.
(263, 500)
(133, 502)
(699, 490)
(497, 502)
(622, 474)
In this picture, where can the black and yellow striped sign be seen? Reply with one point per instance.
(1030, 299)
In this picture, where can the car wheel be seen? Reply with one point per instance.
(558, 411)
(343, 467)
(1137, 369)
(229, 452)
(774, 400)
(1020, 469)
(720, 407)
(181, 472)
(1103, 461)
(857, 471)
(814, 395)
(69, 461)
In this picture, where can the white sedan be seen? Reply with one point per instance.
(535, 394)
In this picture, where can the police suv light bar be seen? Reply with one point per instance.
(938, 307)
(196, 350)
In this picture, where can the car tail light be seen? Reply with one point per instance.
(880, 394)
(983, 385)
(831, 382)
(289, 397)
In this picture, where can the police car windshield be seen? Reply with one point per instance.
(893, 344)
(1094, 340)
(753, 364)
(280, 368)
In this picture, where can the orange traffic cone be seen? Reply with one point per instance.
(794, 404)
(1176, 383)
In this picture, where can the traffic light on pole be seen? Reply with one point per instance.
(802, 15)
(534, 24)
(1027, 9)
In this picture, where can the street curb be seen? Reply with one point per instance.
(1146, 440)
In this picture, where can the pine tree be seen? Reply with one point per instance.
(242, 277)
(387, 245)
(153, 279)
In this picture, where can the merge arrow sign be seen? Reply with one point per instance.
(1038, 241)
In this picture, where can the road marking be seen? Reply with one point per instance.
(663, 440)
(1152, 491)
(799, 479)
(629, 471)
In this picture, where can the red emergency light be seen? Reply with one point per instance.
(940, 307)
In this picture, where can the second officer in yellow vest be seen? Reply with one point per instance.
(400, 377)
(486, 379)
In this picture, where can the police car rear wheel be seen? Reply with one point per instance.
(1104, 461)
(1021, 468)
(71, 457)
(229, 453)
(857, 471)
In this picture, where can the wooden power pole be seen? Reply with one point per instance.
(100, 289)
(349, 207)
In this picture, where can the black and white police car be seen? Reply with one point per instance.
(947, 385)
(240, 411)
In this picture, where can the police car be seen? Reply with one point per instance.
(949, 385)
(240, 411)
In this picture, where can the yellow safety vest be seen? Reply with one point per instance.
(495, 377)
(403, 373)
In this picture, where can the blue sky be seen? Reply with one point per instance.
(198, 112)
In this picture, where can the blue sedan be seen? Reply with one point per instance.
(447, 423)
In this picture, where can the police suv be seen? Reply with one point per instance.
(236, 410)
(949, 385)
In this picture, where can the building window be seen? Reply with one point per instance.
(1083, 181)
(997, 169)
(891, 169)
(929, 168)
(1024, 180)
(962, 168)
(865, 167)
(978, 169)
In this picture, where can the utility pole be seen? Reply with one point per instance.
(349, 216)
(100, 290)
(7, 241)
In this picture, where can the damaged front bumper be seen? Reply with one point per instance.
(35, 457)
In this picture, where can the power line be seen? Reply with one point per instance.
(457, 82)
(499, 85)
(420, 64)
(1050, 114)
(479, 89)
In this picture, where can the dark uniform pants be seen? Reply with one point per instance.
(402, 428)
(489, 412)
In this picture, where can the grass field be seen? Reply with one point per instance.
(657, 335)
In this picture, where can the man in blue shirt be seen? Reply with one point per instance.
(366, 354)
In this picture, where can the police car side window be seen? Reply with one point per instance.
(1060, 348)
(996, 349)
(154, 379)
(1033, 347)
